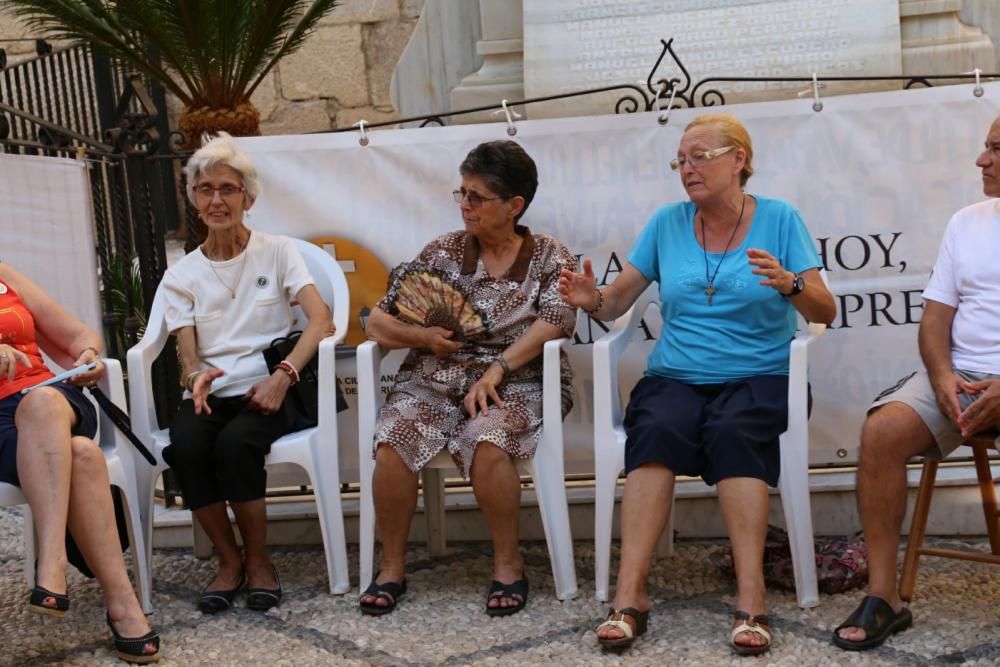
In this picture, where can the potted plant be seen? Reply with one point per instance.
(211, 54)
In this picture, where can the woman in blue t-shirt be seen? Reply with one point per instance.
(732, 270)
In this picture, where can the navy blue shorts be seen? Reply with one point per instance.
(713, 431)
(86, 425)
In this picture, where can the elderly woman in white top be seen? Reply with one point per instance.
(226, 302)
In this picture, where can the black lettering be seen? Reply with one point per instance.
(645, 330)
(845, 311)
(887, 263)
(839, 254)
(873, 298)
(908, 297)
(614, 266)
(577, 340)
(822, 253)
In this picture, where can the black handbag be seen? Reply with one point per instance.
(301, 404)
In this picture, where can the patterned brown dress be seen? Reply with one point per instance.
(423, 412)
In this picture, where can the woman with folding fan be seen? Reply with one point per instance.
(476, 307)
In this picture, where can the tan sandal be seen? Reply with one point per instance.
(616, 620)
(758, 625)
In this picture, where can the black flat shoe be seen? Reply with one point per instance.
(212, 602)
(262, 599)
(39, 597)
(133, 649)
(390, 591)
(876, 617)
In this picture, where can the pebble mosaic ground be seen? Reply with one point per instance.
(441, 621)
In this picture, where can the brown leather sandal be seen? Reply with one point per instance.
(758, 625)
(616, 620)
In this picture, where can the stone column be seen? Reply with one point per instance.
(935, 41)
(502, 74)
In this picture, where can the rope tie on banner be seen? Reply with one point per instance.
(817, 102)
(510, 114)
(364, 135)
(978, 89)
(663, 114)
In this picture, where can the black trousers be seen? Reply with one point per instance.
(220, 456)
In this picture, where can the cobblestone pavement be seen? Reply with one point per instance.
(441, 621)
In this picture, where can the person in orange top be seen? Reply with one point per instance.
(47, 449)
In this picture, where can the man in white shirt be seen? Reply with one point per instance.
(934, 410)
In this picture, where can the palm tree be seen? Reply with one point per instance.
(211, 54)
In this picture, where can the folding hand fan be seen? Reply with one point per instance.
(427, 297)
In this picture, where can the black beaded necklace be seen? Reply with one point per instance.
(710, 289)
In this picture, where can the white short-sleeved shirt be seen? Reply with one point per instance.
(232, 332)
(967, 277)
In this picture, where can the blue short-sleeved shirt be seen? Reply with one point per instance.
(748, 328)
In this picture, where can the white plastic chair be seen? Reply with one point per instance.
(122, 461)
(609, 452)
(314, 449)
(546, 470)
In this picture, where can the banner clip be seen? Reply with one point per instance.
(817, 102)
(510, 114)
(978, 89)
(663, 114)
(364, 135)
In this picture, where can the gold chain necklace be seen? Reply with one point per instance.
(232, 290)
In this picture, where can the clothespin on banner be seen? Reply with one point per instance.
(663, 114)
(817, 103)
(364, 135)
(510, 114)
(978, 90)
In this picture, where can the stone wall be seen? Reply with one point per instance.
(339, 76)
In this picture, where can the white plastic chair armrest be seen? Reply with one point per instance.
(607, 351)
(140, 360)
(552, 392)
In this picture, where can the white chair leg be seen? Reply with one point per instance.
(331, 521)
(366, 523)
(29, 545)
(137, 545)
(794, 487)
(604, 508)
(665, 545)
(550, 490)
(202, 545)
(433, 483)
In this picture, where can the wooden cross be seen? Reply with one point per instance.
(710, 292)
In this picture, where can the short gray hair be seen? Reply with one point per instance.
(220, 149)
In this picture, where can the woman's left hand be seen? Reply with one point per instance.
(776, 276)
(483, 391)
(267, 395)
(90, 377)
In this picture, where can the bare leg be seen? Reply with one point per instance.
(44, 463)
(744, 509)
(497, 487)
(92, 523)
(395, 490)
(215, 520)
(649, 493)
(251, 516)
(890, 437)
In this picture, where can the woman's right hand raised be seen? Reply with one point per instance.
(579, 289)
(438, 340)
(202, 388)
(10, 357)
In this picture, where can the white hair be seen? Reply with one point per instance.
(220, 149)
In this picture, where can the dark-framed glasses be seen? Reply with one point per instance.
(475, 200)
(698, 158)
(227, 191)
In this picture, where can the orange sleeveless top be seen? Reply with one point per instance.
(17, 329)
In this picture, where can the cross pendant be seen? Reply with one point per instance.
(710, 292)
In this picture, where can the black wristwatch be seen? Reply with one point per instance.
(798, 284)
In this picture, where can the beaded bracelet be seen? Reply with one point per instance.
(600, 303)
(287, 366)
(189, 382)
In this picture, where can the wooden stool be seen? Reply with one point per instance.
(981, 444)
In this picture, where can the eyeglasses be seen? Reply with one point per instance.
(207, 192)
(475, 200)
(698, 158)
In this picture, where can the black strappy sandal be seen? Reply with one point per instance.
(212, 602)
(390, 591)
(517, 591)
(39, 595)
(262, 599)
(132, 649)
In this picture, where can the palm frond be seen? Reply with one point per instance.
(209, 53)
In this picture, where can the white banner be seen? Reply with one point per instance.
(876, 176)
(47, 230)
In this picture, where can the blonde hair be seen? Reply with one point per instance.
(220, 149)
(733, 133)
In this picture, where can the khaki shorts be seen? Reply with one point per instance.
(915, 390)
